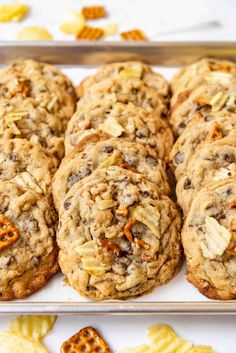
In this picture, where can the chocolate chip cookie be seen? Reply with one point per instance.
(27, 164)
(213, 126)
(104, 153)
(118, 236)
(209, 240)
(212, 162)
(42, 82)
(120, 120)
(189, 77)
(201, 101)
(22, 119)
(28, 250)
(129, 70)
(125, 91)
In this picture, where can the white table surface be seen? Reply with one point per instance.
(130, 331)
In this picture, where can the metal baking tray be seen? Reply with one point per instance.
(78, 60)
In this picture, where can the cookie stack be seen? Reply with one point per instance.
(203, 117)
(36, 101)
(118, 229)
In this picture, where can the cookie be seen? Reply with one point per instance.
(22, 119)
(212, 162)
(201, 101)
(42, 82)
(27, 263)
(118, 236)
(120, 120)
(124, 91)
(189, 77)
(102, 154)
(209, 240)
(213, 126)
(129, 70)
(27, 164)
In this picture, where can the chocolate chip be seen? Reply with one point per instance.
(187, 184)
(35, 260)
(74, 177)
(228, 157)
(107, 149)
(67, 204)
(182, 125)
(179, 158)
(151, 160)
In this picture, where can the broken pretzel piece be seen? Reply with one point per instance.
(141, 244)
(90, 33)
(215, 132)
(109, 246)
(8, 233)
(128, 167)
(93, 12)
(122, 212)
(127, 230)
(86, 340)
(134, 34)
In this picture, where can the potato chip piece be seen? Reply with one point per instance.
(105, 204)
(34, 33)
(215, 240)
(26, 180)
(114, 159)
(15, 11)
(131, 72)
(35, 327)
(148, 216)
(110, 29)
(90, 261)
(164, 340)
(201, 349)
(221, 173)
(139, 349)
(112, 127)
(75, 26)
(15, 343)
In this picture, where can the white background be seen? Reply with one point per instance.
(161, 20)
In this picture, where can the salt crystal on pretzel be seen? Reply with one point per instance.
(86, 340)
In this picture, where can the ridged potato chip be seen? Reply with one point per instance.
(15, 343)
(34, 327)
(75, 26)
(201, 349)
(15, 11)
(139, 349)
(215, 240)
(34, 33)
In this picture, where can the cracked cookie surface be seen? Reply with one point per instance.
(212, 162)
(118, 236)
(131, 70)
(120, 120)
(28, 263)
(104, 153)
(209, 240)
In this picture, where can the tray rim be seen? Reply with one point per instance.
(119, 308)
(163, 53)
(9, 51)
